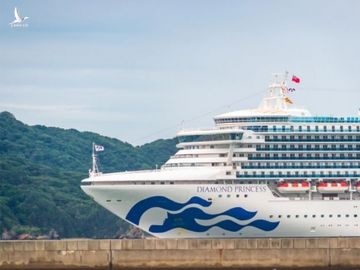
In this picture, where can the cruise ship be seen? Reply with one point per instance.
(273, 171)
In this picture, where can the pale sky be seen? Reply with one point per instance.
(134, 70)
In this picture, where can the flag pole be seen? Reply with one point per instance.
(94, 166)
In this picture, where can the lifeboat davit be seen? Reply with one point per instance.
(358, 186)
(333, 187)
(293, 187)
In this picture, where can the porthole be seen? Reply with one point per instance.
(346, 215)
(228, 195)
(322, 216)
(220, 195)
(314, 216)
(288, 216)
(279, 216)
(297, 216)
(330, 216)
(245, 195)
(271, 216)
(305, 216)
(237, 195)
(355, 215)
(338, 215)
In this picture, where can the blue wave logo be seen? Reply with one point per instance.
(187, 218)
(141, 207)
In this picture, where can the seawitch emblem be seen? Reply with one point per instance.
(187, 219)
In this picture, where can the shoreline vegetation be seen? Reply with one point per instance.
(40, 172)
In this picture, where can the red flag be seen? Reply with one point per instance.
(295, 79)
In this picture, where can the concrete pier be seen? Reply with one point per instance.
(285, 253)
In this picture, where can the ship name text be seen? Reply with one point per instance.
(239, 188)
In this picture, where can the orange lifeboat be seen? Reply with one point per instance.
(333, 187)
(293, 187)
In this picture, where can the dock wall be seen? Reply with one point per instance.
(284, 253)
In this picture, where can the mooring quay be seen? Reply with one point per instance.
(284, 253)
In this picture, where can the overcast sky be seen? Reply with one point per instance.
(134, 70)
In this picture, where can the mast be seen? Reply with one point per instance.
(94, 170)
(276, 99)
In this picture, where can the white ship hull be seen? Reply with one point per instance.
(264, 215)
(273, 171)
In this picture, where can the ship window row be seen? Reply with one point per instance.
(313, 138)
(319, 119)
(338, 225)
(300, 155)
(306, 147)
(298, 165)
(292, 174)
(303, 156)
(211, 137)
(250, 119)
(202, 155)
(314, 216)
(289, 119)
(204, 146)
(193, 164)
(303, 128)
(189, 147)
(214, 164)
(284, 155)
(181, 182)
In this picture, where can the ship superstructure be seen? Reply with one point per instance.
(268, 172)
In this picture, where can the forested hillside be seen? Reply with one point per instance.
(40, 173)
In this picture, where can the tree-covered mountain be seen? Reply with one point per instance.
(40, 173)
